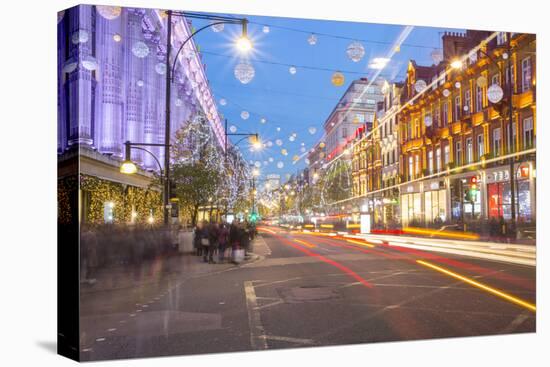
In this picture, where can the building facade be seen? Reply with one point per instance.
(452, 136)
(111, 89)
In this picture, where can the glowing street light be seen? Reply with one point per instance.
(456, 64)
(128, 167)
(244, 44)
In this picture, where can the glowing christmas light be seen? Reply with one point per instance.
(117, 37)
(233, 128)
(284, 152)
(244, 72)
(292, 70)
(223, 102)
(109, 12)
(280, 164)
(265, 29)
(80, 36)
(160, 68)
(337, 79)
(420, 85)
(312, 39)
(140, 49)
(312, 130)
(355, 51)
(279, 142)
(245, 115)
(263, 120)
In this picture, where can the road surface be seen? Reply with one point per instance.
(310, 290)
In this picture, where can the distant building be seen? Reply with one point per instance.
(356, 107)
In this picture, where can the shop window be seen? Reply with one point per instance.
(447, 153)
(431, 161)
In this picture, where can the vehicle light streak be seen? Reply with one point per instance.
(484, 287)
(445, 233)
(307, 244)
(360, 243)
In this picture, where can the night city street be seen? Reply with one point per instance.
(309, 290)
(238, 182)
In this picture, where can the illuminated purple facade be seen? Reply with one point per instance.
(111, 84)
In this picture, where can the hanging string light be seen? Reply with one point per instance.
(140, 49)
(279, 142)
(312, 39)
(280, 164)
(223, 102)
(265, 29)
(109, 12)
(292, 70)
(245, 115)
(217, 27)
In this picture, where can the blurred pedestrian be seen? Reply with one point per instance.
(223, 240)
(197, 236)
(213, 238)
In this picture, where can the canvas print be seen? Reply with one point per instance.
(237, 182)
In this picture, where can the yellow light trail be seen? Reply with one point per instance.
(361, 243)
(484, 287)
(446, 233)
(307, 244)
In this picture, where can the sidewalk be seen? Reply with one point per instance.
(161, 269)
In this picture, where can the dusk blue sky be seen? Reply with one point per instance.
(296, 102)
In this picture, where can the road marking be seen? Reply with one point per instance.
(516, 323)
(307, 244)
(484, 287)
(111, 329)
(278, 302)
(132, 315)
(289, 339)
(100, 340)
(87, 349)
(257, 332)
(361, 243)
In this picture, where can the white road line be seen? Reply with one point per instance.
(100, 340)
(516, 323)
(289, 339)
(257, 332)
(111, 329)
(278, 302)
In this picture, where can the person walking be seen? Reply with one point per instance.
(213, 234)
(205, 241)
(197, 236)
(223, 240)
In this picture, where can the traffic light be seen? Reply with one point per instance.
(470, 193)
(253, 217)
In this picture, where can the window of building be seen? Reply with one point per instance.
(456, 116)
(528, 136)
(411, 171)
(360, 118)
(458, 153)
(417, 165)
(467, 99)
(480, 150)
(447, 154)
(497, 142)
(501, 38)
(526, 74)
(417, 128)
(344, 132)
(445, 113)
(438, 159)
(431, 162)
(479, 99)
(437, 114)
(469, 150)
(495, 79)
(508, 143)
(507, 78)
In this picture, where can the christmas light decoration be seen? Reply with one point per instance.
(160, 68)
(109, 12)
(80, 36)
(265, 29)
(217, 27)
(223, 102)
(312, 130)
(292, 70)
(245, 115)
(337, 79)
(312, 39)
(140, 49)
(244, 72)
(355, 51)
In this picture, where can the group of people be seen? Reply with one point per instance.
(214, 238)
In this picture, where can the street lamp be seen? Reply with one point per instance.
(257, 144)
(510, 91)
(241, 43)
(129, 167)
(456, 64)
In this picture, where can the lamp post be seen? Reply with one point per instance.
(511, 143)
(244, 135)
(243, 43)
(129, 167)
